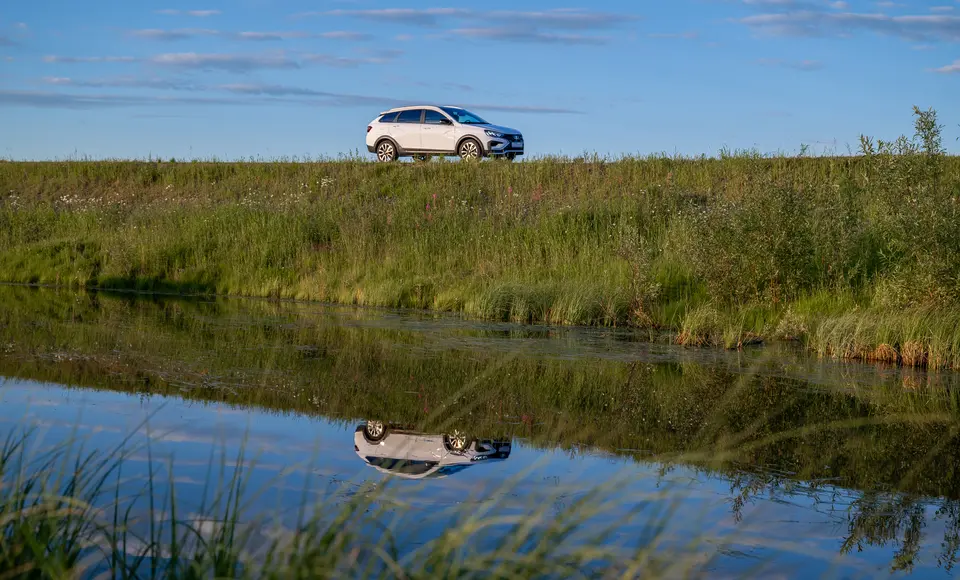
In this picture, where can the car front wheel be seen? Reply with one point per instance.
(469, 150)
(386, 152)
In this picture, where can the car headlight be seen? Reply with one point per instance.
(493, 134)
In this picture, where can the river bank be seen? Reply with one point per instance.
(855, 257)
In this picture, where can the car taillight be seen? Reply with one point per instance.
(369, 128)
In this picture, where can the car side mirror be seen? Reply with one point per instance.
(446, 122)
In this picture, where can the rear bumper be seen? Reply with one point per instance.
(371, 148)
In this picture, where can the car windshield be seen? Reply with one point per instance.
(404, 466)
(464, 116)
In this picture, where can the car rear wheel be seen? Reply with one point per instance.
(386, 151)
(374, 430)
(470, 150)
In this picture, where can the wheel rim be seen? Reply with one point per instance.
(458, 440)
(375, 429)
(469, 150)
(385, 152)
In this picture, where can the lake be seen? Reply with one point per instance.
(764, 462)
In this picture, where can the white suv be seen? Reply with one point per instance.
(427, 130)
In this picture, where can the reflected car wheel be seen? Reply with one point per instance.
(374, 430)
(457, 440)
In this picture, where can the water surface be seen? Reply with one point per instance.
(765, 461)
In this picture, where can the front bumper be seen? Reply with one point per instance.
(508, 144)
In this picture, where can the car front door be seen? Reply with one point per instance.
(437, 132)
(406, 129)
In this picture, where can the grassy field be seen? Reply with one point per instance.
(857, 257)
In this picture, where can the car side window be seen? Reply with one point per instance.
(389, 118)
(433, 117)
(412, 116)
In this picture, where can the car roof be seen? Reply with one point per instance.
(408, 107)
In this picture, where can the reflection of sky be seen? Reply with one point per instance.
(790, 531)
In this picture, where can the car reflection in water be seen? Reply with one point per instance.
(402, 452)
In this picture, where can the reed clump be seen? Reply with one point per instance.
(772, 247)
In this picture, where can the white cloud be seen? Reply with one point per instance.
(86, 59)
(224, 61)
(195, 13)
(510, 34)
(691, 35)
(240, 94)
(256, 36)
(922, 28)
(801, 65)
(950, 68)
(177, 34)
(547, 26)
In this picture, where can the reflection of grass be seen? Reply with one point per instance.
(775, 246)
(67, 513)
(767, 435)
(289, 358)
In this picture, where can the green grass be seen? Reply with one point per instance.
(722, 251)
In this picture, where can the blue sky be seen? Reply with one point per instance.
(260, 78)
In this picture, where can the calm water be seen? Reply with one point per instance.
(767, 461)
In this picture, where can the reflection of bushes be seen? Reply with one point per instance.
(293, 358)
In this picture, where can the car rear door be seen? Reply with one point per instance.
(437, 132)
(406, 129)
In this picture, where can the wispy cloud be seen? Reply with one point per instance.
(195, 13)
(240, 62)
(176, 34)
(224, 61)
(87, 59)
(54, 100)
(352, 61)
(127, 82)
(255, 36)
(801, 65)
(560, 26)
(412, 16)
(801, 19)
(690, 35)
(241, 94)
(950, 68)
(510, 34)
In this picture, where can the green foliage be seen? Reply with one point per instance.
(626, 241)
